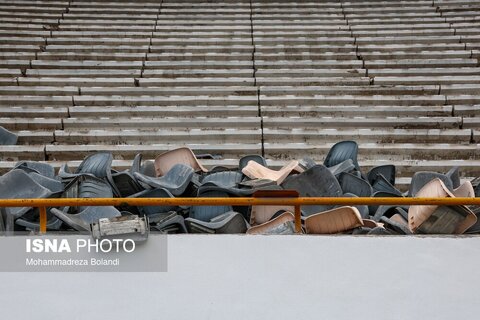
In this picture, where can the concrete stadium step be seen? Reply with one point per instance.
(38, 91)
(361, 122)
(165, 111)
(421, 80)
(34, 112)
(358, 111)
(383, 100)
(96, 41)
(411, 47)
(163, 135)
(19, 48)
(197, 73)
(299, 48)
(421, 63)
(170, 91)
(473, 122)
(312, 81)
(462, 71)
(75, 48)
(30, 123)
(162, 122)
(308, 56)
(87, 73)
(188, 65)
(375, 151)
(346, 89)
(157, 100)
(196, 82)
(310, 64)
(303, 72)
(323, 135)
(218, 48)
(26, 152)
(47, 101)
(195, 57)
(466, 110)
(81, 56)
(77, 82)
(74, 152)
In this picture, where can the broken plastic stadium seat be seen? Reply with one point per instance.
(354, 185)
(317, 181)
(207, 213)
(225, 181)
(254, 170)
(7, 138)
(81, 221)
(184, 155)
(17, 184)
(228, 223)
(151, 210)
(43, 169)
(439, 219)
(421, 178)
(333, 221)
(387, 171)
(176, 180)
(340, 152)
(262, 214)
(243, 162)
(283, 224)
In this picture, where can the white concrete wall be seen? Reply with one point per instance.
(267, 277)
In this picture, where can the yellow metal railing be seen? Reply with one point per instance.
(297, 202)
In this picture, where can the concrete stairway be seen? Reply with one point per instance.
(282, 78)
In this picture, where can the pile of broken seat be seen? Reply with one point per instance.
(178, 173)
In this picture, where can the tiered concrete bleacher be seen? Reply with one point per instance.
(282, 78)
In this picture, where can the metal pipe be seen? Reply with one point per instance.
(234, 201)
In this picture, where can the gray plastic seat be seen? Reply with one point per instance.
(126, 184)
(242, 163)
(363, 209)
(151, 210)
(307, 163)
(390, 210)
(387, 171)
(355, 185)
(227, 223)
(346, 166)
(81, 221)
(454, 175)
(7, 138)
(98, 165)
(317, 181)
(207, 213)
(17, 184)
(340, 152)
(43, 169)
(226, 181)
(53, 185)
(382, 184)
(173, 223)
(52, 224)
(381, 194)
(421, 178)
(176, 180)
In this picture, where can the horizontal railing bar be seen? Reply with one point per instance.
(73, 202)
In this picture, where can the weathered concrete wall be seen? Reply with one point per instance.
(267, 277)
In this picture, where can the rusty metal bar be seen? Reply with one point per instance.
(292, 201)
(61, 202)
(43, 219)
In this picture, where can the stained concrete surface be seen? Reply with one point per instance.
(267, 277)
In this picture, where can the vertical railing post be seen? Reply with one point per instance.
(298, 219)
(43, 220)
